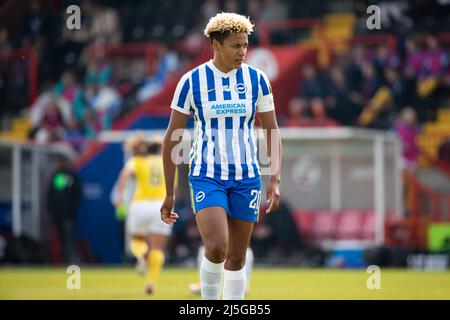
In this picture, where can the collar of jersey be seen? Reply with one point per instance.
(215, 69)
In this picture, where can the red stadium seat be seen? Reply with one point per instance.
(368, 225)
(303, 221)
(324, 225)
(350, 225)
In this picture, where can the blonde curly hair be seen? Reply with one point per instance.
(136, 145)
(228, 23)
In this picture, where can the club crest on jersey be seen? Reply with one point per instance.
(240, 88)
(200, 196)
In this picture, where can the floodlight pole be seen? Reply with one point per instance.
(16, 191)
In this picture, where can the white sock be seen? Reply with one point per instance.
(211, 279)
(234, 285)
(249, 259)
(200, 255)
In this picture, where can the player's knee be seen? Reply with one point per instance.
(216, 251)
(235, 262)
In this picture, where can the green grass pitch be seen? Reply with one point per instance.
(266, 284)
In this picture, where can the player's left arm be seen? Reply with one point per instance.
(269, 124)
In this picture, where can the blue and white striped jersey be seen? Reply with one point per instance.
(224, 106)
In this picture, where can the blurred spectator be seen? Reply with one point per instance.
(71, 93)
(104, 23)
(386, 102)
(275, 10)
(63, 198)
(104, 104)
(98, 70)
(338, 101)
(48, 109)
(396, 84)
(412, 66)
(168, 64)
(304, 114)
(74, 134)
(52, 125)
(379, 102)
(319, 117)
(67, 87)
(413, 59)
(434, 68)
(435, 59)
(383, 59)
(407, 129)
(370, 81)
(310, 86)
(357, 61)
(90, 124)
(296, 113)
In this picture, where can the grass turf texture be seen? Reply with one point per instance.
(266, 284)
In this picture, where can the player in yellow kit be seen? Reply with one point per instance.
(148, 233)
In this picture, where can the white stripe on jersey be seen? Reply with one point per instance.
(210, 144)
(255, 151)
(198, 138)
(197, 146)
(248, 154)
(223, 146)
(236, 123)
(236, 149)
(248, 147)
(210, 152)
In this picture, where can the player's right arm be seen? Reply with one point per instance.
(177, 121)
(124, 175)
(181, 110)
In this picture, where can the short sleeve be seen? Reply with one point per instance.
(182, 96)
(265, 96)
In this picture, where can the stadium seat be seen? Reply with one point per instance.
(303, 220)
(368, 225)
(349, 225)
(323, 225)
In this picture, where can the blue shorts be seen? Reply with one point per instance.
(239, 198)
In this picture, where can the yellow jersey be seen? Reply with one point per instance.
(149, 177)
